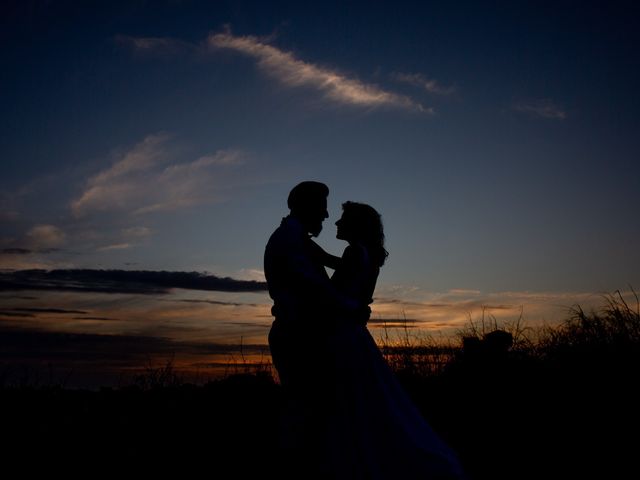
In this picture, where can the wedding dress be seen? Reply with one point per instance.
(374, 430)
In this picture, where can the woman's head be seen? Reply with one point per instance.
(361, 223)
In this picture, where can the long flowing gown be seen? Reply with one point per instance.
(375, 431)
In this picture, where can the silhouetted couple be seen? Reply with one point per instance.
(346, 415)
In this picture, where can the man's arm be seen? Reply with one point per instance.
(303, 267)
(323, 257)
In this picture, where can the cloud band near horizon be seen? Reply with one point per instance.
(122, 281)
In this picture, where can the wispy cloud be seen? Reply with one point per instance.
(96, 319)
(543, 108)
(39, 239)
(24, 261)
(127, 238)
(293, 72)
(463, 292)
(284, 66)
(149, 178)
(16, 251)
(115, 246)
(48, 310)
(154, 46)
(118, 185)
(45, 237)
(420, 80)
(218, 302)
(32, 249)
(122, 281)
(193, 183)
(137, 232)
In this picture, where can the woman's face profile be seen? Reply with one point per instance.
(344, 228)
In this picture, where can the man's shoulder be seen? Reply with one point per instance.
(289, 231)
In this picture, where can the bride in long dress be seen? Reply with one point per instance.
(374, 429)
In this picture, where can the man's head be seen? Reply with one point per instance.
(308, 203)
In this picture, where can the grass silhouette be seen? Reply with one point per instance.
(558, 402)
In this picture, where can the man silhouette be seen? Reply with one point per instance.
(305, 306)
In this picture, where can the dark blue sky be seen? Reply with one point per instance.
(499, 140)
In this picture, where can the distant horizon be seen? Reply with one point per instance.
(106, 338)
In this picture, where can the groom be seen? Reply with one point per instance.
(304, 300)
(306, 305)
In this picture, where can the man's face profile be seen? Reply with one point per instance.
(314, 215)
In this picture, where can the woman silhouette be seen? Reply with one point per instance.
(374, 429)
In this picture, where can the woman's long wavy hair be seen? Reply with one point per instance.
(366, 226)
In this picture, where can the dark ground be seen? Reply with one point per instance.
(517, 419)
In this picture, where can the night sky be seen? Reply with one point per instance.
(499, 141)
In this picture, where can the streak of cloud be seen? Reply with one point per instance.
(419, 80)
(286, 68)
(29, 252)
(218, 302)
(45, 237)
(540, 108)
(10, 313)
(116, 187)
(115, 246)
(250, 324)
(154, 46)
(16, 251)
(136, 232)
(48, 310)
(149, 178)
(393, 321)
(293, 72)
(122, 281)
(95, 318)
